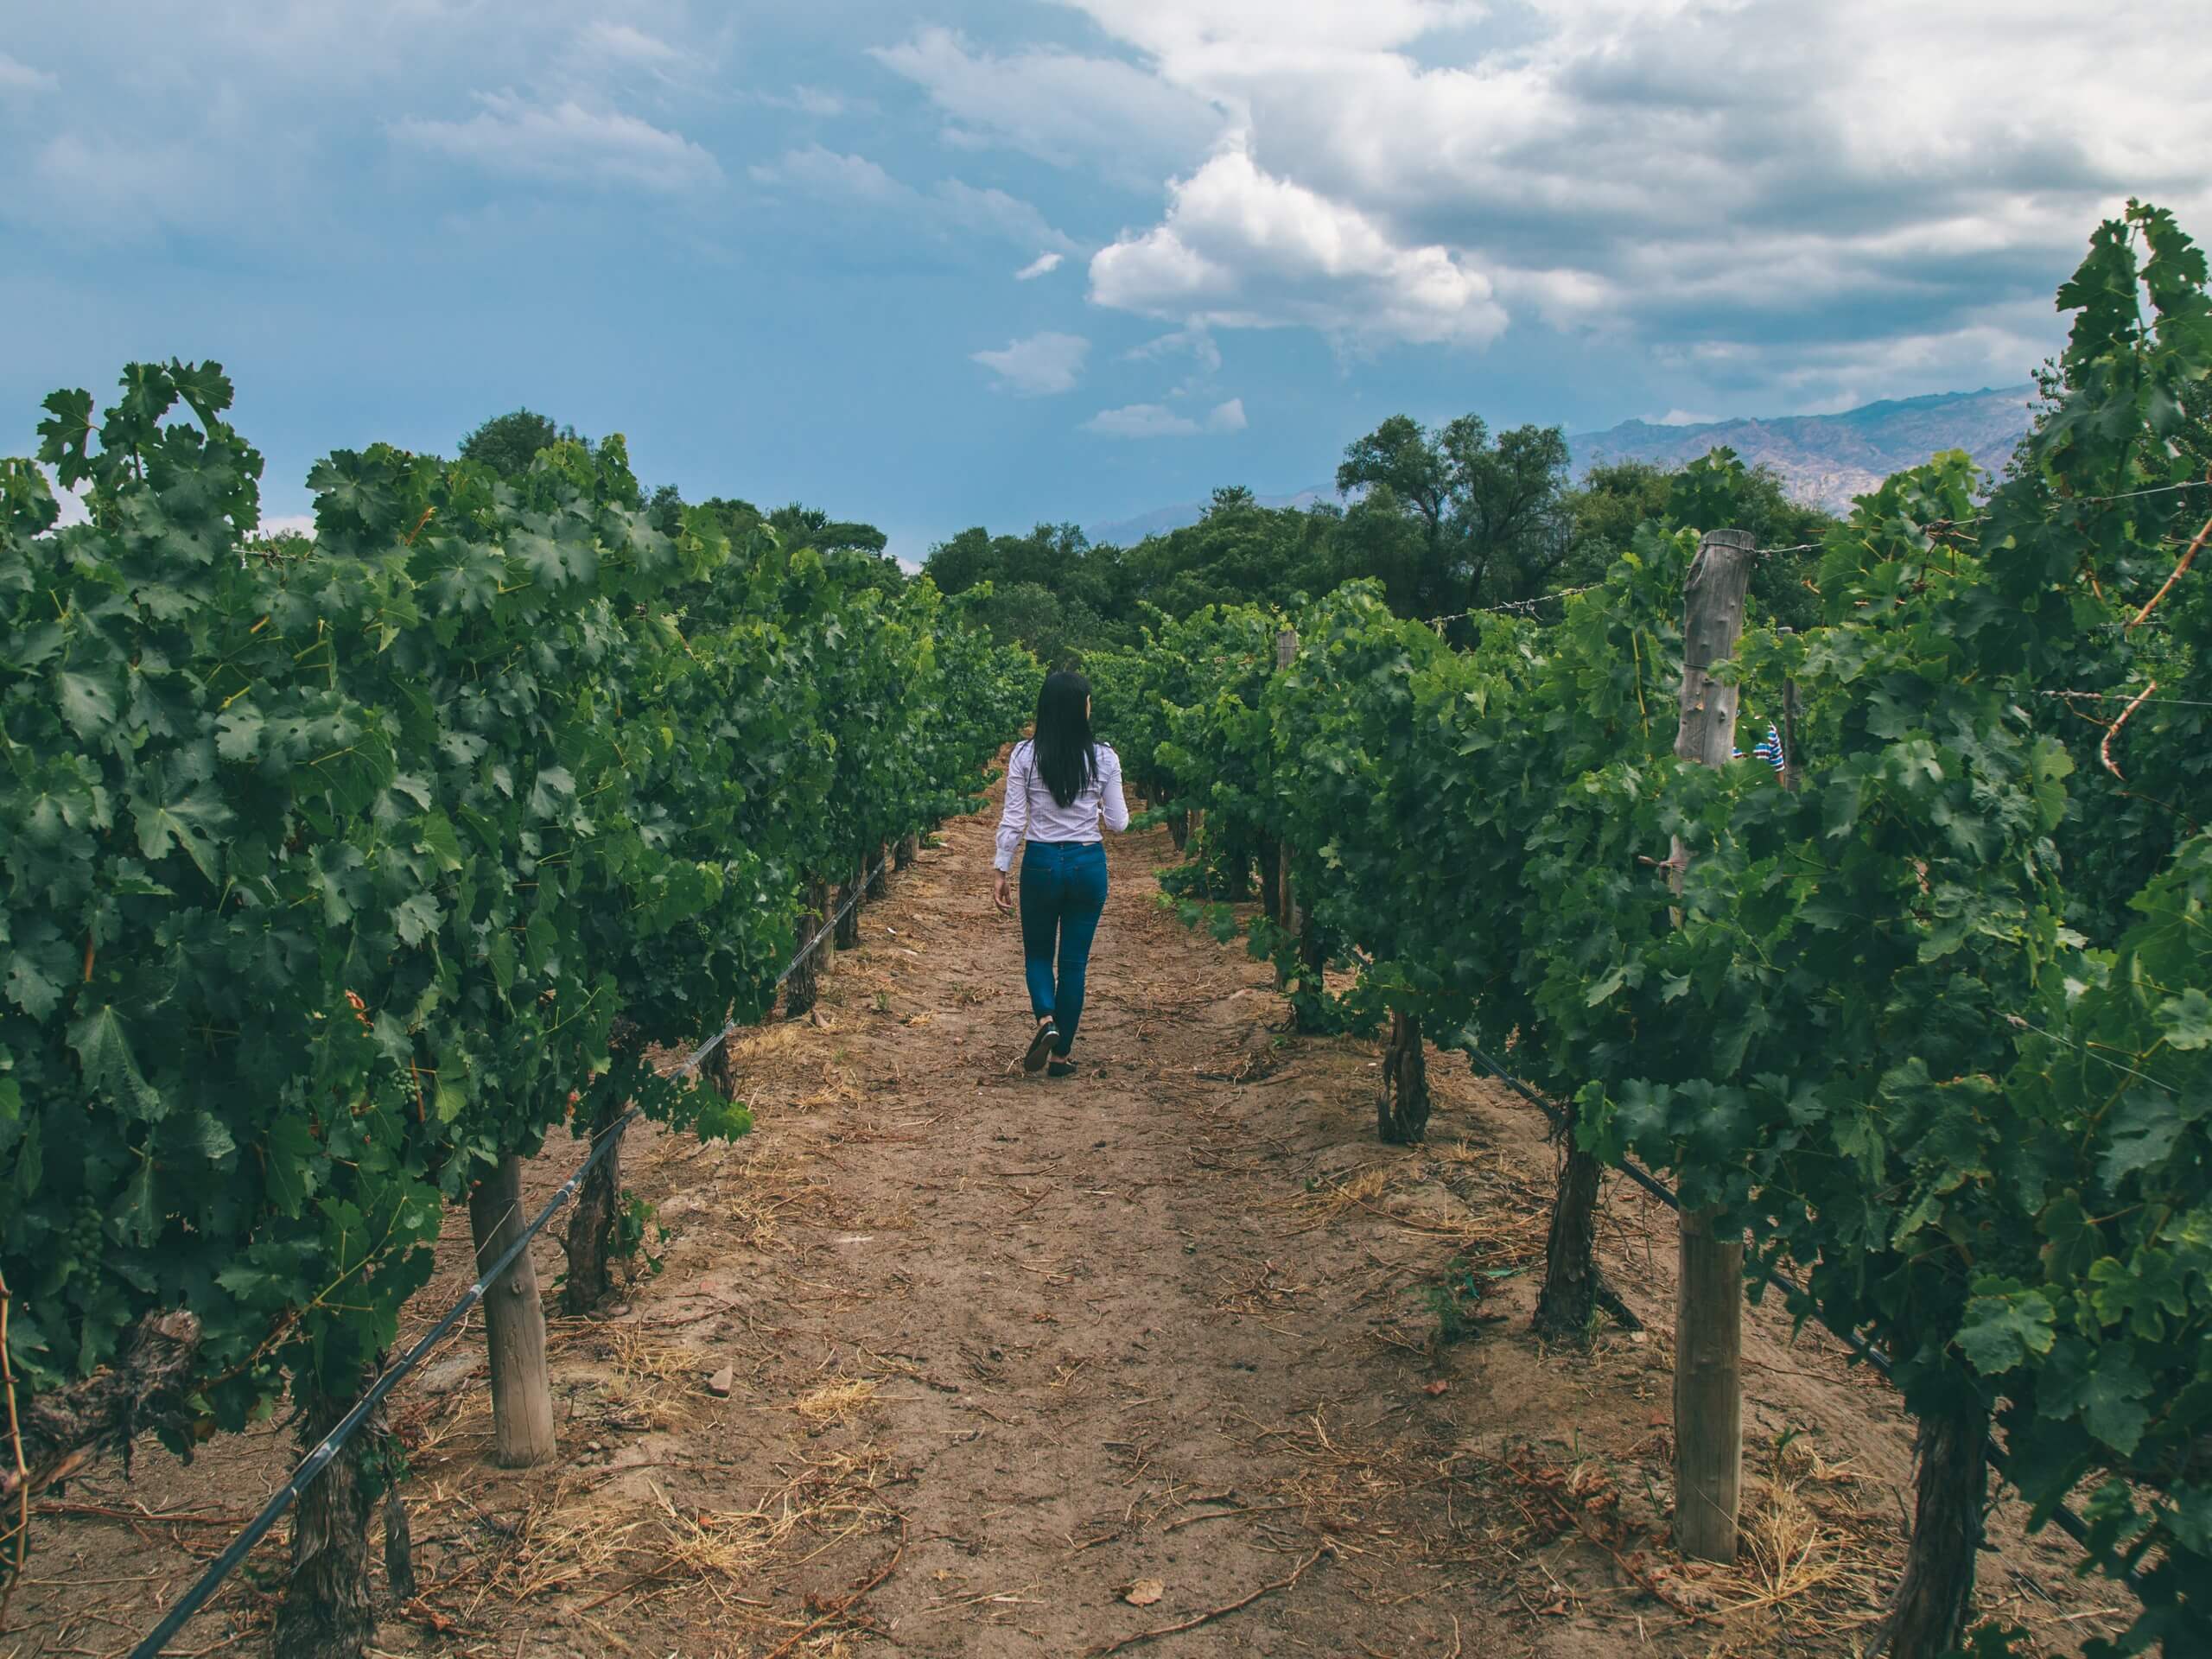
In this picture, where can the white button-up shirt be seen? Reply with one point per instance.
(1031, 812)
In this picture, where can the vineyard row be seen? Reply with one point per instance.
(1925, 1016)
(341, 871)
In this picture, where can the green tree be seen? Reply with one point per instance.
(1718, 491)
(1604, 511)
(508, 443)
(1238, 553)
(811, 527)
(1487, 514)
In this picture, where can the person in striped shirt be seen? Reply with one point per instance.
(1768, 749)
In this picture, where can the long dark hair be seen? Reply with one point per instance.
(1067, 758)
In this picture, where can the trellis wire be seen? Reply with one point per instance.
(1982, 517)
(315, 1462)
(2119, 697)
(2068, 1521)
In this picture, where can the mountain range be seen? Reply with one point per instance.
(1823, 460)
(1826, 460)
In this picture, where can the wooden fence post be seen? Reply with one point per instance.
(1709, 1301)
(514, 1323)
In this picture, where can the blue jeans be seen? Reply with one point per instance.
(1062, 891)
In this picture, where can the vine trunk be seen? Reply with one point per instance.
(1568, 1300)
(591, 1223)
(848, 905)
(1401, 1107)
(1936, 1594)
(804, 985)
(327, 1611)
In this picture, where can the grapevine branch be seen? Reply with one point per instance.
(2104, 747)
(2182, 564)
(1212, 1613)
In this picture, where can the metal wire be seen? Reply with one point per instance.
(2064, 501)
(791, 967)
(1526, 606)
(317, 1460)
(2117, 697)
(2068, 1521)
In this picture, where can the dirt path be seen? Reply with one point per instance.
(1017, 1366)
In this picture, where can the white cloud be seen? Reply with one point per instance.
(1194, 339)
(625, 43)
(1295, 30)
(1041, 364)
(565, 142)
(71, 502)
(1241, 249)
(17, 77)
(998, 214)
(1158, 420)
(1685, 418)
(826, 175)
(1864, 177)
(826, 172)
(106, 188)
(816, 101)
(1061, 107)
(1043, 265)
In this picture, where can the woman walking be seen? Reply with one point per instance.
(1061, 784)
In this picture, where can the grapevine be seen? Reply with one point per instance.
(1931, 1028)
(340, 871)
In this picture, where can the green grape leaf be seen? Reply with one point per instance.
(2001, 1331)
(87, 702)
(102, 1043)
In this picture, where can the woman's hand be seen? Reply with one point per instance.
(1003, 896)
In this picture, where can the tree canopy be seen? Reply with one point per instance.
(1449, 520)
(508, 443)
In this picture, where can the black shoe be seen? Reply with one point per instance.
(1060, 1067)
(1040, 1047)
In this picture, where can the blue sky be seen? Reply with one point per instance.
(996, 264)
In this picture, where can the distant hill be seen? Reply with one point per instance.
(1823, 460)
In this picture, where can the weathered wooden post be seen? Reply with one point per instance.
(879, 880)
(1709, 1303)
(909, 845)
(514, 1323)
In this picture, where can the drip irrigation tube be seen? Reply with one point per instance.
(316, 1461)
(2067, 1522)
